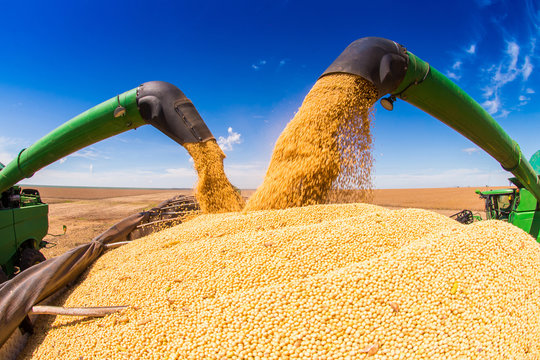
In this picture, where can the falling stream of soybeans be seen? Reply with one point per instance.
(324, 153)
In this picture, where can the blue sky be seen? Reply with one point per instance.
(247, 66)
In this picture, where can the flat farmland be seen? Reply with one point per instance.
(87, 212)
(433, 198)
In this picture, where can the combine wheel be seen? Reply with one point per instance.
(29, 257)
(3, 276)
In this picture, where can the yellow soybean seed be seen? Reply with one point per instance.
(214, 192)
(328, 287)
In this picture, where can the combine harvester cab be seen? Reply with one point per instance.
(23, 225)
(398, 73)
(516, 205)
(499, 203)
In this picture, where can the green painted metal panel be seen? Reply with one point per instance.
(528, 221)
(31, 222)
(497, 192)
(527, 202)
(92, 126)
(7, 235)
(535, 161)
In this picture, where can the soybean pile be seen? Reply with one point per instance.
(213, 192)
(324, 153)
(317, 282)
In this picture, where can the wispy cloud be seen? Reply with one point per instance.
(503, 73)
(8, 148)
(226, 143)
(527, 68)
(258, 64)
(88, 154)
(464, 55)
(470, 150)
(492, 105)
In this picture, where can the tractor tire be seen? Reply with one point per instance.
(30, 257)
(3, 276)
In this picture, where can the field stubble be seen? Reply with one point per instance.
(87, 212)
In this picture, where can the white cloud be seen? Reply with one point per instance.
(455, 72)
(453, 75)
(488, 91)
(529, 91)
(472, 49)
(493, 105)
(456, 68)
(504, 113)
(527, 68)
(63, 160)
(258, 64)
(232, 138)
(282, 62)
(513, 51)
(90, 154)
(506, 72)
(9, 148)
(470, 150)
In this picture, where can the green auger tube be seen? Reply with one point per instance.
(157, 103)
(396, 71)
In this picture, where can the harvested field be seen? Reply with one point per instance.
(433, 199)
(53, 195)
(87, 212)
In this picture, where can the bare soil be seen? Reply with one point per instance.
(434, 198)
(87, 212)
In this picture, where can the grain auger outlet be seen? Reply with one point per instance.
(165, 107)
(398, 73)
(23, 215)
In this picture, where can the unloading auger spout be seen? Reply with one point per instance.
(394, 70)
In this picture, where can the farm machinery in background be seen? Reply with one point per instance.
(23, 215)
(398, 73)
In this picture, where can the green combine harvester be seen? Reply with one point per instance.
(398, 73)
(23, 215)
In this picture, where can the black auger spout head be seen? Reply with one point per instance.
(167, 108)
(381, 61)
